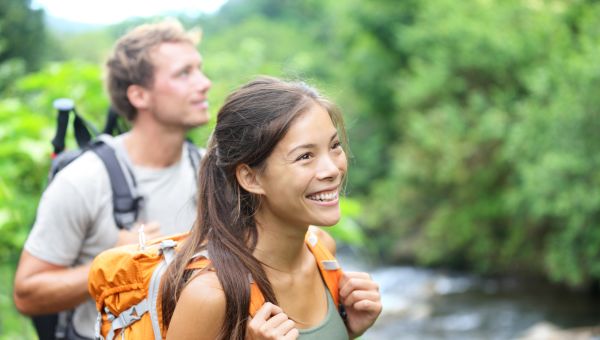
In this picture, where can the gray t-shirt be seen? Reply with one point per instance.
(75, 219)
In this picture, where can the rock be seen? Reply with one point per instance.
(548, 331)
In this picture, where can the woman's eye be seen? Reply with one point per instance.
(304, 156)
(336, 145)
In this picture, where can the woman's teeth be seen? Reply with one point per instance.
(324, 197)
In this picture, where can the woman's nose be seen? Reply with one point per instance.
(328, 168)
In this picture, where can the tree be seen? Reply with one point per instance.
(22, 31)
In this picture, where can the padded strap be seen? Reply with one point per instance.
(167, 247)
(195, 155)
(97, 327)
(198, 263)
(328, 265)
(127, 317)
(125, 206)
(257, 299)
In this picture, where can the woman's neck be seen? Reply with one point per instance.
(279, 247)
(291, 271)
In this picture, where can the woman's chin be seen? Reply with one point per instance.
(327, 222)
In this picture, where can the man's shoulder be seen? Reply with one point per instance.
(86, 168)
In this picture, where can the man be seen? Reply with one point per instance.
(155, 80)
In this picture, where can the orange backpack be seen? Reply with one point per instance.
(125, 283)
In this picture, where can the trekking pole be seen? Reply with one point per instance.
(111, 126)
(64, 107)
(83, 130)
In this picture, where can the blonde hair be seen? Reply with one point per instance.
(131, 62)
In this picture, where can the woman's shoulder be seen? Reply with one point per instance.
(203, 288)
(202, 302)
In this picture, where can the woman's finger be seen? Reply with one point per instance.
(351, 284)
(274, 322)
(287, 326)
(368, 306)
(293, 334)
(359, 295)
(263, 314)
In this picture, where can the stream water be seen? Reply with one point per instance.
(426, 304)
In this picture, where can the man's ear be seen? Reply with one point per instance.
(138, 96)
(248, 179)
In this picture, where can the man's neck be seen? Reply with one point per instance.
(153, 148)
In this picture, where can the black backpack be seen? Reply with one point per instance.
(126, 204)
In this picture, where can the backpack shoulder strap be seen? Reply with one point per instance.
(125, 205)
(199, 261)
(330, 270)
(195, 154)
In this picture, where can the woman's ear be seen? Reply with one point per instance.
(138, 96)
(247, 178)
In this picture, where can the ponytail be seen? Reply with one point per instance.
(230, 235)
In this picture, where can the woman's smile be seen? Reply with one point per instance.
(325, 198)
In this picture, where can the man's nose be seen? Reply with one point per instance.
(201, 82)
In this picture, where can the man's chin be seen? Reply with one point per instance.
(197, 122)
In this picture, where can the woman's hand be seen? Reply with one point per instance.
(360, 296)
(270, 322)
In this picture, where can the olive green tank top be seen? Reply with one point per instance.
(332, 327)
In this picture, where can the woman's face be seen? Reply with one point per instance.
(303, 175)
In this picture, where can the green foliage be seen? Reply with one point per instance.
(369, 57)
(473, 125)
(22, 34)
(76, 46)
(21, 165)
(348, 230)
(494, 169)
(28, 123)
(12, 325)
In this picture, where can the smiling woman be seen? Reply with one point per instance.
(113, 11)
(303, 175)
(275, 166)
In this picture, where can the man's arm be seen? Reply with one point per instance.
(44, 288)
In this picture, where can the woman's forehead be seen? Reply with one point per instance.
(312, 126)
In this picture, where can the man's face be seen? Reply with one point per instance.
(177, 96)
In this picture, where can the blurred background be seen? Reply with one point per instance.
(474, 184)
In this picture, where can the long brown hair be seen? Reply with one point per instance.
(252, 121)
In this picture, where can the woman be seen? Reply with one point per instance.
(275, 166)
